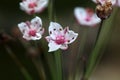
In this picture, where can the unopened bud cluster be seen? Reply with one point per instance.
(103, 11)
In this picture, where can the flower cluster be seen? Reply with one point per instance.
(59, 38)
(33, 30)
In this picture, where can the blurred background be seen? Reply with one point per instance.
(11, 15)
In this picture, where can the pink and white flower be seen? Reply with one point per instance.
(86, 16)
(59, 37)
(33, 6)
(117, 3)
(32, 30)
(103, 1)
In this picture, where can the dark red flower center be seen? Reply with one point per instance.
(32, 5)
(60, 40)
(32, 33)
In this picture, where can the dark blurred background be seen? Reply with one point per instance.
(11, 15)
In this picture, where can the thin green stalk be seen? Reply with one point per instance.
(39, 68)
(80, 53)
(99, 30)
(18, 63)
(58, 64)
(49, 61)
(51, 10)
(99, 45)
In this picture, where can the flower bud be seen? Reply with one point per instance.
(103, 11)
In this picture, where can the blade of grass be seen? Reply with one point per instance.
(18, 63)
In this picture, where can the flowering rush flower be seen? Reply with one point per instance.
(59, 37)
(86, 16)
(33, 6)
(32, 30)
(117, 3)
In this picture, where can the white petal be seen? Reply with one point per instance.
(36, 22)
(80, 14)
(70, 36)
(41, 5)
(94, 20)
(53, 46)
(55, 29)
(64, 46)
(24, 6)
(23, 27)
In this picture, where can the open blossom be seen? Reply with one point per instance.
(33, 6)
(59, 37)
(86, 16)
(32, 30)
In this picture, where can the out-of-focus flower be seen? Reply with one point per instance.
(86, 16)
(32, 30)
(59, 37)
(117, 3)
(33, 6)
(104, 1)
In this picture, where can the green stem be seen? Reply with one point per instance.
(99, 30)
(80, 52)
(99, 45)
(39, 68)
(18, 63)
(51, 10)
(49, 62)
(58, 64)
